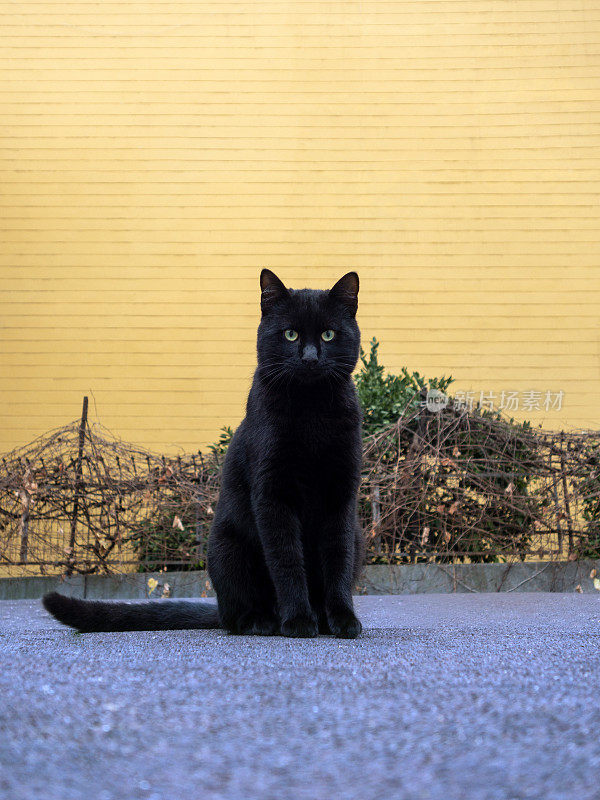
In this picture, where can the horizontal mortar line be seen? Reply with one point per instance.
(369, 268)
(434, 183)
(365, 253)
(362, 241)
(372, 193)
(160, 354)
(196, 254)
(449, 63)
(239, 404)
(241, 9)
(311, 121)
(240, 340)
(236, 12)
(253, 266)
(556, 229)
(325, 230)
(194, 205)
(586, 339)
(309, 86)
(476, 73)
(194, 419)
(448, 290)
(366, 38)
(255, 32)
(286, 93)
(166, 403)
(243, 338)
(298, 153)
(546, 164)
(422, 293)
(203, 102)
(392, 180)
(252, 319)
(403, 160)
(371, 257)
(266, 148)
(189, 43)
(451, 223)
(479, 212)
(250, 25)
(276, 112)
(393, 173)
(307, 90)
(78, 18)
(250, 315)
(450, 281)
(199, 365)
(291, 205)
(264, 74)
(159, 406)
(255, 87)
(352, 254)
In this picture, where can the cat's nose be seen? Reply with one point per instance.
(309, 355)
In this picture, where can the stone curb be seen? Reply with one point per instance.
(531, 576)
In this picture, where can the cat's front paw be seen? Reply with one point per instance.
(259, 625)
(344, 624)
(302, 626)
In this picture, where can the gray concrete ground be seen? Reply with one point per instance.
(491, 697)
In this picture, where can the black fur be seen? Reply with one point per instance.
(285, 546)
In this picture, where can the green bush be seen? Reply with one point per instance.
(386, 397)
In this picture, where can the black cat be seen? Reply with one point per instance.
(285, 546)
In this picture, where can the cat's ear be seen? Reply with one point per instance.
(345, 292)
(272, 290)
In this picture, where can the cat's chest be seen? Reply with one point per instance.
(315, 443)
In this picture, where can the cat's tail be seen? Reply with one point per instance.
(145, 615)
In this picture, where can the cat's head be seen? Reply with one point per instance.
(307, 335)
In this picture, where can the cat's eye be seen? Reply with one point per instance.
(290, 335)
(327, 336)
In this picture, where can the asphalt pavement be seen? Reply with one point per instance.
(444, 697)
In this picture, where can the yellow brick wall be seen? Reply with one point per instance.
(155, 155)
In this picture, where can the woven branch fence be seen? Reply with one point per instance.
(447, 486)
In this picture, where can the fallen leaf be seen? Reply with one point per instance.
(593, 573)
(597, 584)
(177, 523)
(579, 589)
(510, 488)
(166, 592)
(152, 584)
(425, 536)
